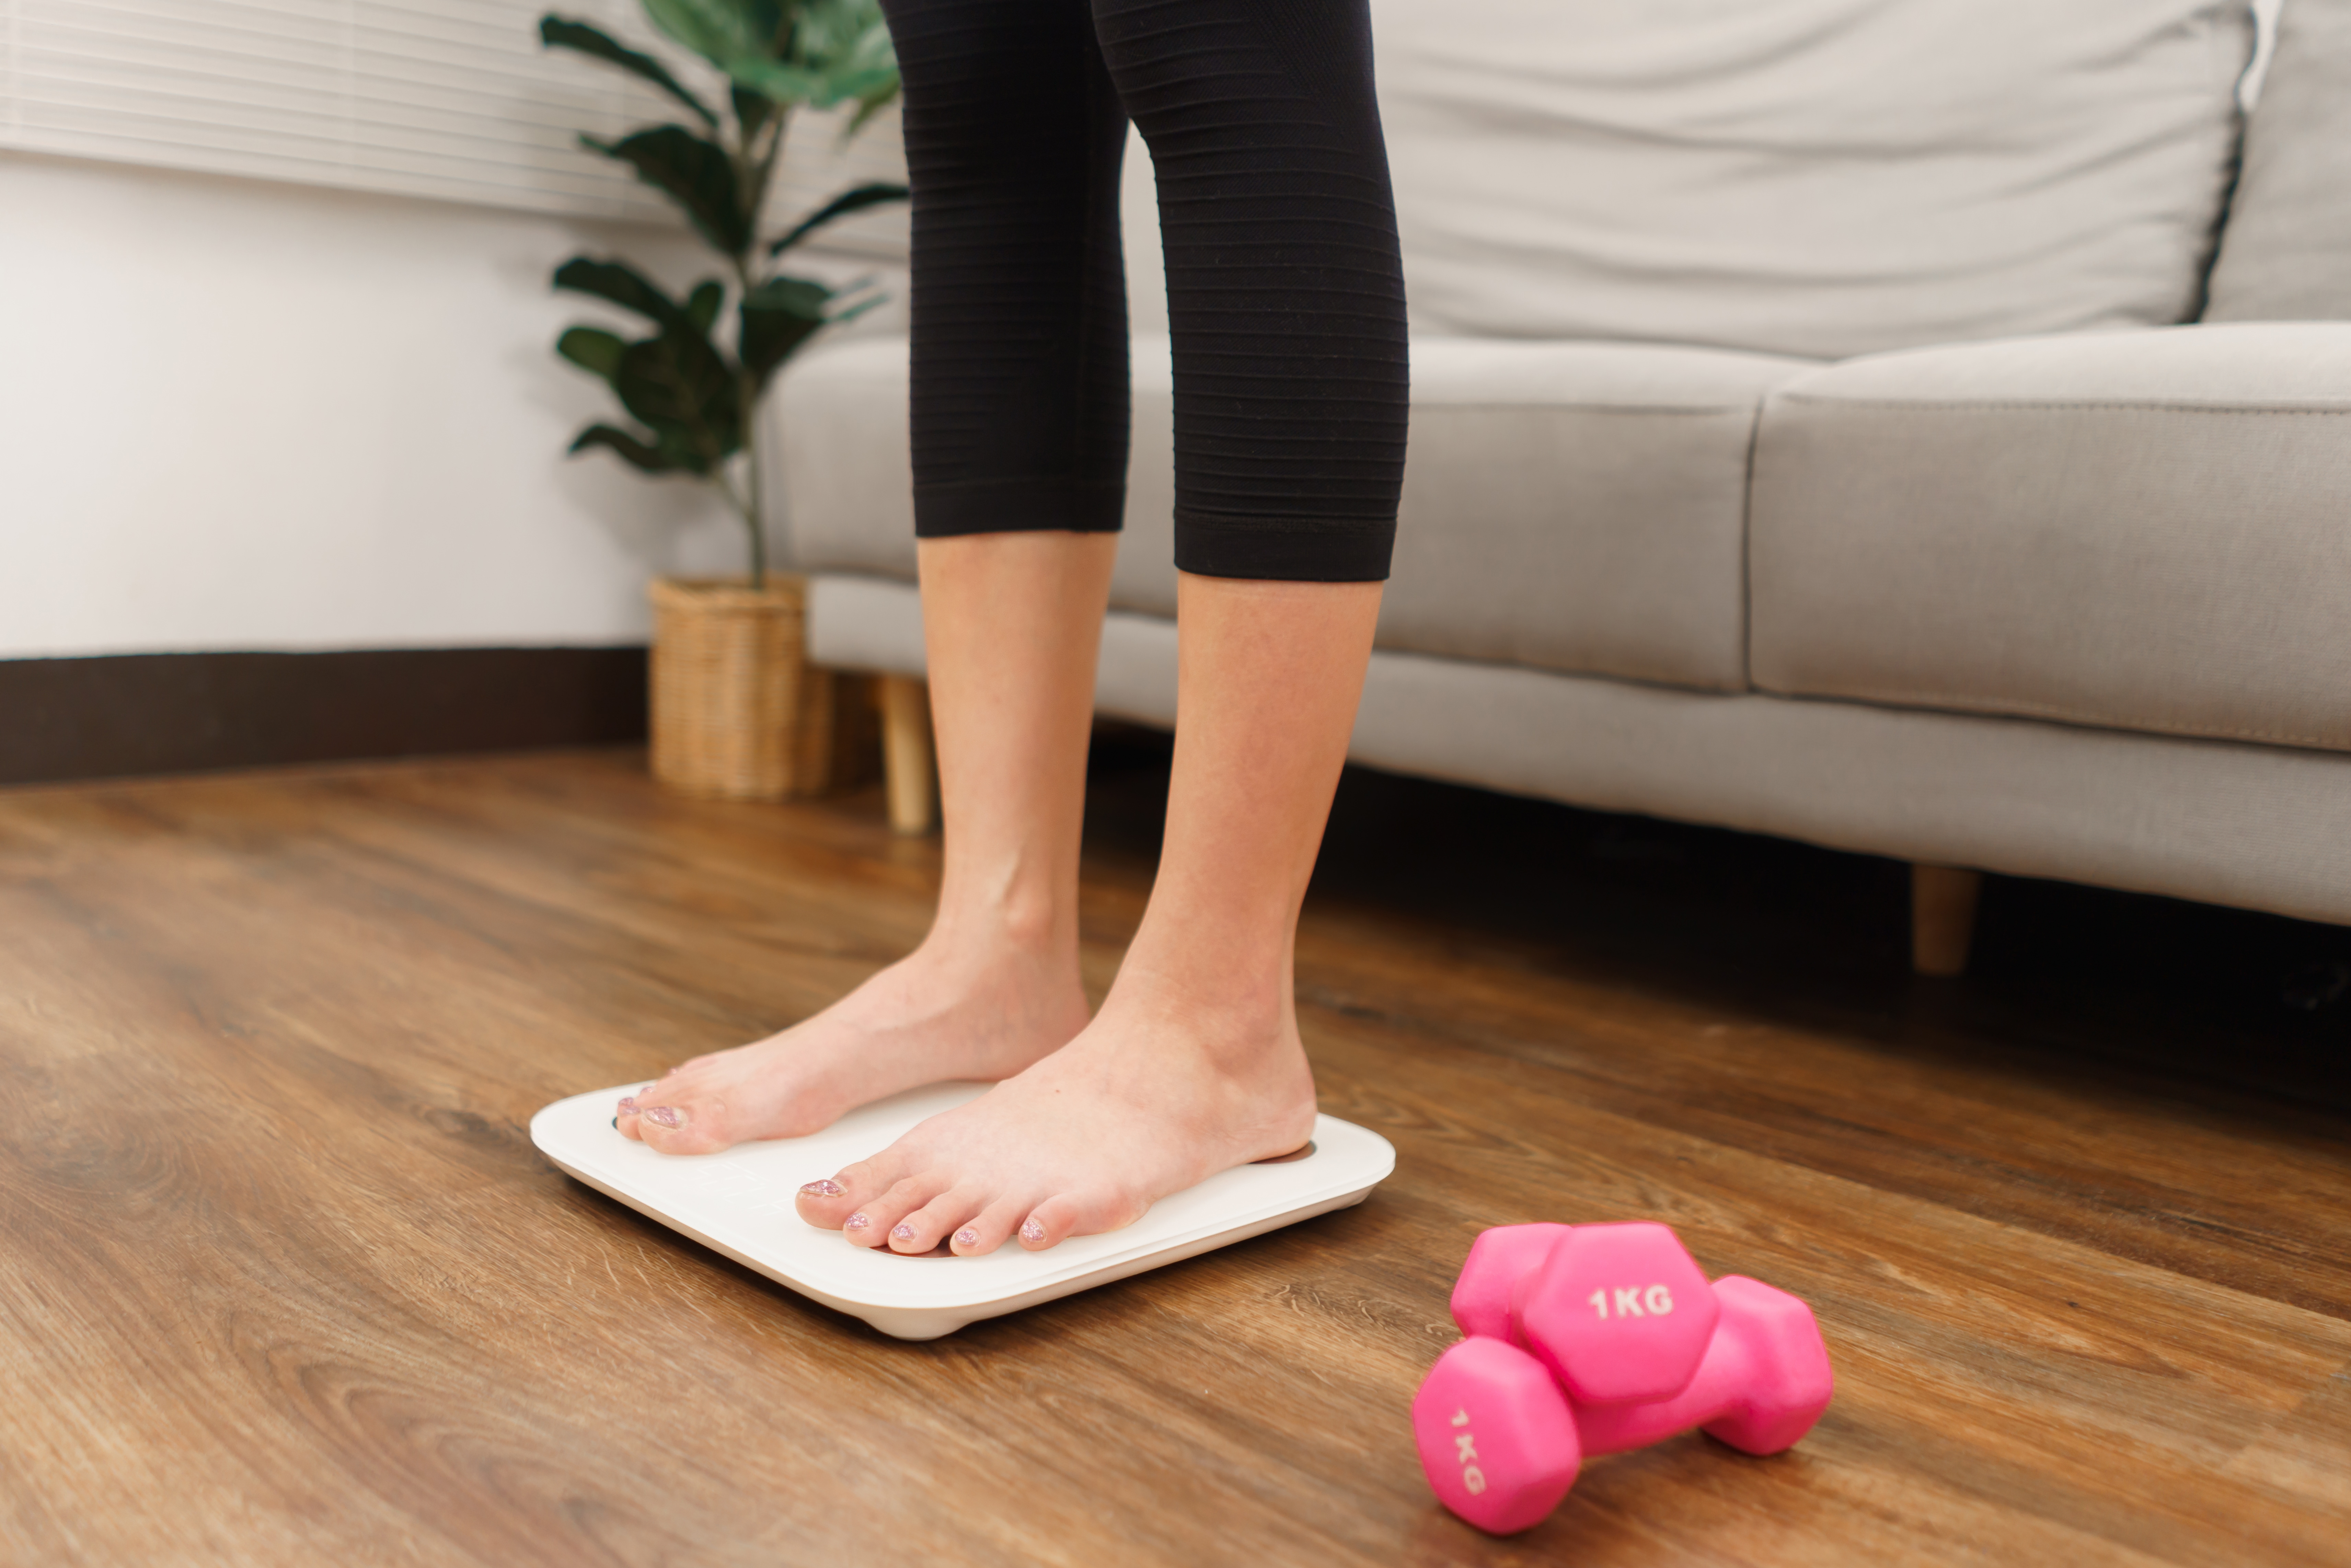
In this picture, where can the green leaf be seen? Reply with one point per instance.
(651, 459)
(717, 30)
(799, 296)
(679, 385)
(702, 305)
(768, 20)
(834, 51)
(775, 79)
(753, 110)
(561, 33)
(696, 173)
(855, 309)
(592, 349)
(623, 285)
(821, 52)
(848, 43)
(818, 87)
(777, 316)
(855, 200)
(872, 104)
(842, 34)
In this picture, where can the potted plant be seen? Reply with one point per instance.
(736, 711)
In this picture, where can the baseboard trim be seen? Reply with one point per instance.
(133, 715)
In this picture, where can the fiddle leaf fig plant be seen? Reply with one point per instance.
(694, 382)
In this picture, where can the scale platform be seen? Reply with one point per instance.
(740, 1203)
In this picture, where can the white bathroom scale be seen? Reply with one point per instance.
(740, 1203)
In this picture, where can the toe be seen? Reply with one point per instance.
(987, 1229)
(890, 1211)
(828, 1204)
(625, 1117)
(677, 1123)
(1057, 1220)
(1045, 1224)
(931, 1224)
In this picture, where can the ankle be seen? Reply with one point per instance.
(1234, 1018)
(1016, 921)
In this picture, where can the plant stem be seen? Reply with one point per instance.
(746, 509)
(747, 393)
(752, 516)
(752, 174)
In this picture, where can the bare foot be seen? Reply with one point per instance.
(981, 1010)
(1149, 1100)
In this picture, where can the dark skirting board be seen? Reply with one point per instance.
(179, 713)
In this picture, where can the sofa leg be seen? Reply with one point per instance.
(906, 753)
(1942, 919)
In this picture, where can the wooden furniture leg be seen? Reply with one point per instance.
(1942, 919)
(907, 762)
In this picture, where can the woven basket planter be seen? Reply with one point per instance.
(738, 713)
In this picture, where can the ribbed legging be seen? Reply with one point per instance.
(1285, 294)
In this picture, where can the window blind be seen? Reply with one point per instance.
(453, 100)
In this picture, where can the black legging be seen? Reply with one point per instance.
(1284, 290)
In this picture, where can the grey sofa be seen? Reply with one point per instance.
(2011, 532)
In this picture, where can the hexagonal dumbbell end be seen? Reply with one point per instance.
(1787, 1382)
(1499, 1260)
(1622, 1313)
(1496, 1438)
(1764, 1381)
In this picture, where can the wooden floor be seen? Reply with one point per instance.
(286, 1282)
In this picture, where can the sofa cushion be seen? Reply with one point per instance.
(1569, 505)
(840, 416)
(1810, 177)
(2146, 530)
(2287, 252)
(838, 420)
(1579, 507)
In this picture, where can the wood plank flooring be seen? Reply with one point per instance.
(286, 1282)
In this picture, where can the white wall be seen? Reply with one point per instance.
(244, 415)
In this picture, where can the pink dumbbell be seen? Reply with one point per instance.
(1500, 1427)
(1618, 1313)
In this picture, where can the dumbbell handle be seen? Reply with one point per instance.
(1721, 1397)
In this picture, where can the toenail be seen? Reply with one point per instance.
(902, 1231)
(825, 1188)
(664, 1117)
(855, 1222)
(966, 1237)
(628, 1104)
(1031, 1231)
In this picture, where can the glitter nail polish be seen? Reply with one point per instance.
(664, 1117)
(966, 1237)
(1031, 1231)
(855, 1222)
(828, 1188)
(902, 1231)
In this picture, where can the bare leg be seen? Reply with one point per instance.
(1012, 623)
(1194, 1064)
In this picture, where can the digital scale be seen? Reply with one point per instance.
(741, 1203)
